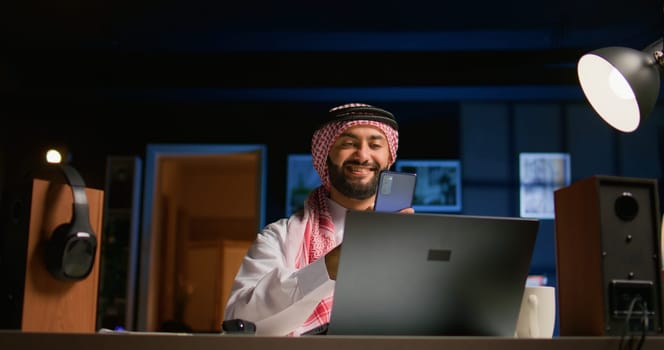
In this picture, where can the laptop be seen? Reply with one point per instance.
(431, 274)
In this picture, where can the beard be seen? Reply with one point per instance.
(358, 191)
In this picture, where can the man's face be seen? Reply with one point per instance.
(355, 160)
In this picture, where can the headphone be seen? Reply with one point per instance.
(71, 250)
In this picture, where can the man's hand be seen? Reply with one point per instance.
(332, 262)
(403, 211)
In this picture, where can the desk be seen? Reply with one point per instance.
(55, 341)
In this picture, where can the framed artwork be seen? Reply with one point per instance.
(540, 175)
(438, 187)
(301, 178)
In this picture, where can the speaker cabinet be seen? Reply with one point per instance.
(119, 263)
(608, 258)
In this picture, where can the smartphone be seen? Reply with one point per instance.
(395, 190)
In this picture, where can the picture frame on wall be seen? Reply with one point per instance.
(301, 179)
(540, 174)
(438, 187)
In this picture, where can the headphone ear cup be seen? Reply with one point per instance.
(70, 254)
(55, 250)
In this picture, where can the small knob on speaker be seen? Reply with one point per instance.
(626, 207)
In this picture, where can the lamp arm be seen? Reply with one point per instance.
(659, 58)
(656, 50)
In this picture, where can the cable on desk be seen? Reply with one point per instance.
(637, 300)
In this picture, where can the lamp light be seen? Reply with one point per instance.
(622, 84)
(53, 156)
(58, 155)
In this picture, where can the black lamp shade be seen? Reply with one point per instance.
(621, 84)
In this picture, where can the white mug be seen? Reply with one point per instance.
(537, 316)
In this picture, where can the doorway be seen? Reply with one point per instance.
(202, 207)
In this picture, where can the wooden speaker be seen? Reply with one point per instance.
(608, 258)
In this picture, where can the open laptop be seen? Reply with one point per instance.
(431, 274)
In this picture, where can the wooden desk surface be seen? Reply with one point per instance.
(139, 341)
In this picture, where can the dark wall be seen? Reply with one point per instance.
(93, 130)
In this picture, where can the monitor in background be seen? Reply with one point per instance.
(301, 179)
(438, 187)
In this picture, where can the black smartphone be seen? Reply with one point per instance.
(395, 191)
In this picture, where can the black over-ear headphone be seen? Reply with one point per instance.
(71, 250)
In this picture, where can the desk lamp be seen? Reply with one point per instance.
(622, 84)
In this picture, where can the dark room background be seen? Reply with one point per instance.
(478, 82)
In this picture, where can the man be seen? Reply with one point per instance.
(286, 281)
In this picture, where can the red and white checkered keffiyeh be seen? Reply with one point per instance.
(318, 240)
(319, 234)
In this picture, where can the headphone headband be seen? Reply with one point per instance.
(80, 216)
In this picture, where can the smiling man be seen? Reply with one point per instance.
(285, 284)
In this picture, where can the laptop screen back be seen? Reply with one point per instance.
(431, 274)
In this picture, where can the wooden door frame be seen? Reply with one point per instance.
(146, 256)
